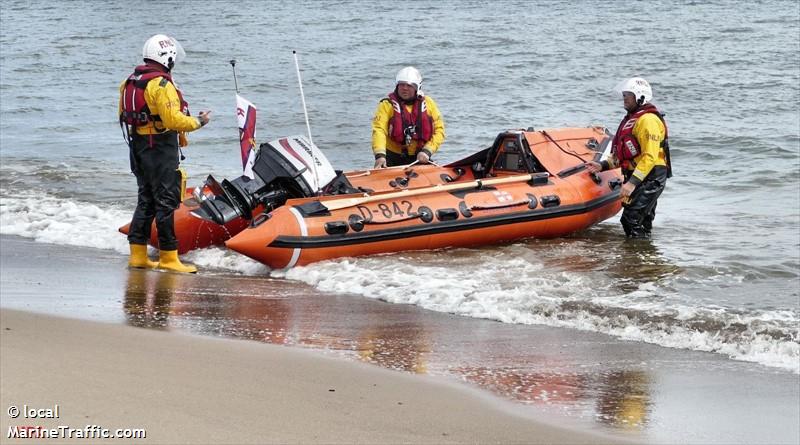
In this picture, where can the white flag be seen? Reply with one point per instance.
(246, 117)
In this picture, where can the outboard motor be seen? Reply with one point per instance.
(290, 167)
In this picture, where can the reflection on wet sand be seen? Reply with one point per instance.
(391, 336)
(527, 386)
(148, 298)
(268, 321)
(625, 400)
(621, 398)
(403, 349)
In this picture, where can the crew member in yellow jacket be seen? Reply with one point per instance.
(407, 126)
(154, 119)
(641, 148)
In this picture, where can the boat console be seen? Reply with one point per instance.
(509, 154)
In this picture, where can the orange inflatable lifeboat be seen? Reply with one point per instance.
(527, 184)
(192, 232)
(211, 214)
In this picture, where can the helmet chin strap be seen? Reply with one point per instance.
(168, 68)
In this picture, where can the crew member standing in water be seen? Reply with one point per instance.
(155, 118)
(641, 148)
(407, 126)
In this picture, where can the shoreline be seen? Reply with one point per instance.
(580, 382)
(191, 389)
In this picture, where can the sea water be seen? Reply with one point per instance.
(721, 273)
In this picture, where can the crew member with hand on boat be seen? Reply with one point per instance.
(641, 148)
(407, 126)
(154, 118)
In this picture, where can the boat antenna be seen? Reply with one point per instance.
(308, 126)
(235, 83)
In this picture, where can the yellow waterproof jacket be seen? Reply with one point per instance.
(380, 129)
(163, 100)
(649, 132)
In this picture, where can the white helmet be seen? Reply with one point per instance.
(410, 75)
(164, 50)
(639, 87)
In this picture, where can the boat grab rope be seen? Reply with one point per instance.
(571, 153)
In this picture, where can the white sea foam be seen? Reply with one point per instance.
(52, 220)
(510, 289)
(220, 258)
(518, 291)
(49, 219)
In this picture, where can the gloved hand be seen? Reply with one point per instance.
(593, 167)
(423, 158)
(204, 117)
(380, 162)
(626, 191)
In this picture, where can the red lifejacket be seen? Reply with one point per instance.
(405, 127)
(135, 111)
(625, 146)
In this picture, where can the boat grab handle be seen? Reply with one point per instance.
(500, 205)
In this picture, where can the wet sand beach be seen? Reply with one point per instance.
(186, 389)
(439, 378)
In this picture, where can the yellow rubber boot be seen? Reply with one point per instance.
(139, 257)
(168, 260)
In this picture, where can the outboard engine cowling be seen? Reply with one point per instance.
(290, 167)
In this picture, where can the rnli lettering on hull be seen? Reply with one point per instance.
(311, 242)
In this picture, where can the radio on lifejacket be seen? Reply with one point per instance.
(408, 134)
